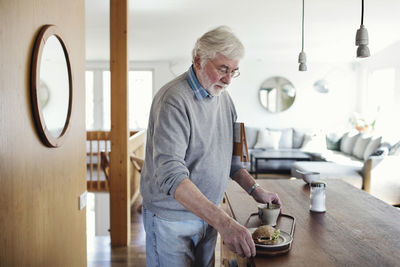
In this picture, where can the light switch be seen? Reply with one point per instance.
(82, 200)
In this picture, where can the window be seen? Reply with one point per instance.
(98, 99)
(140, 97)
(106, 112)
(381, 98)
(89, 100)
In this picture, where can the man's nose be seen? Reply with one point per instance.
(227, 78)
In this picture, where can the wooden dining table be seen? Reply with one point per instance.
(357, 229)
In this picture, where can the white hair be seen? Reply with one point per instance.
(219, 40)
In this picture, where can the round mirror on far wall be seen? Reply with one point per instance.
(51, 86)
(277, 94)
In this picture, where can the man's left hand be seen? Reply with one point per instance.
(263, 196)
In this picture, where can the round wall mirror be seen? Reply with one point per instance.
(277, 94)
(51, 86)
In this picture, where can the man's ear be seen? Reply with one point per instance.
(197, 62)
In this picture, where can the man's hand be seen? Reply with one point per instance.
(263, 196)
(237, 238)
(245, 180)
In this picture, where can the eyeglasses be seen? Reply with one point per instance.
(224, 71)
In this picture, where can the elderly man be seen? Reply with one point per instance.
(189, 159)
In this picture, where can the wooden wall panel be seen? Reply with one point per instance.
(40, 223)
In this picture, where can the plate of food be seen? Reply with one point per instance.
(272, 240)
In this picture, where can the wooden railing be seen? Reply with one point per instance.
(97, 153)
(98, 161)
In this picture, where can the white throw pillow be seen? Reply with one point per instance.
(360, 146)
(251, 136)
(276, 138)
(268, 139)
(372, 146)
(313, 142)
(286, 139)
(348, 141)
(298, 138)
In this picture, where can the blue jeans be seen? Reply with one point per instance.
(178, 243)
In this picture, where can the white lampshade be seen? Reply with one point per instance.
(321, 86)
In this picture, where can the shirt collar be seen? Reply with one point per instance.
(194, 83)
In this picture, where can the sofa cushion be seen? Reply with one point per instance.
(372, 146)
(251, 136)
(395, 149)
(286, 140)
(361, 145)
(313, 142)
(348, 141)
(268, 139)
(298, 138)
(333, 141)
(341, 158)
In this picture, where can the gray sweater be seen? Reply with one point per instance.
(186, 137)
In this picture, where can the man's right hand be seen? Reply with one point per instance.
(237, 238)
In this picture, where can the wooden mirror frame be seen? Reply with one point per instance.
(46, 137)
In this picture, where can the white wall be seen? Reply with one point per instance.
(311, 109)
(102, 213)
(387, 58)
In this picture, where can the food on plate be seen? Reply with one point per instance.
(266, 235)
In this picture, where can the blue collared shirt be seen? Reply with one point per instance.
(194, 83)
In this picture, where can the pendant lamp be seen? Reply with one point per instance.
(362, 37)
(302, 56)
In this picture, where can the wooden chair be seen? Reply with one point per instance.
(137, 163)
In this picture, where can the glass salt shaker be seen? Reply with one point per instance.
(317, 196)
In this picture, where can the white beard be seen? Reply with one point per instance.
(216, 91)
(212, 89)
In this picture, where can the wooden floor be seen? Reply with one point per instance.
(100, 253)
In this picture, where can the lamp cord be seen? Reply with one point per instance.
(302, 30)
(362, 12)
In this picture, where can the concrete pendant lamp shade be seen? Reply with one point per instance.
(302, 56)
(363, 51)
(362, 37)
(362, 42)
(302, 61)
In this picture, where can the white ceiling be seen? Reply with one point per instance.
(270, 30)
